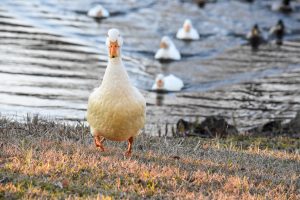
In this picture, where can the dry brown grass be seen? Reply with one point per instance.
(42, 159)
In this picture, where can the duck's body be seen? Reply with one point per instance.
(98, 12)
(278, 31)
(200, 3)
(187, 32)
(167, 50)
(169, 83)
(284, 6)
(116, 110)
(254, 37)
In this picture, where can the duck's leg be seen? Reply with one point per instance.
(129, 150)
(99, 142)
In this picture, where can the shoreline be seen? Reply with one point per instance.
(46, 159)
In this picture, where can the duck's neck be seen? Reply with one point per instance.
(115, 61)
(115, 73)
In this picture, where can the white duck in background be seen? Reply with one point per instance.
(167, 83)
(98, 12)
(187, 32)
(116, 109)
(167, 50)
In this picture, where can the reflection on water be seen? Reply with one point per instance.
(52, 55)
(159, 99)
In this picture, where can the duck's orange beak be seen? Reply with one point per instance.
(163, 45)
(187, 28)
(114, 49)
(160, 84)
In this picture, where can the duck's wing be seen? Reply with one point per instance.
(141, 107)
(173, 83)
(272, 30)
(180, 34)
(154, 86)
(249, 35)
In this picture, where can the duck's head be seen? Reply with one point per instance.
(165, 42)
(100, 10)
(201, 3)
(160, 81)
(280, 23)
(187, 26)
(286, 2)
(114, 42)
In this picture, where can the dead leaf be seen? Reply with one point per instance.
(65, 183)
(175, 157)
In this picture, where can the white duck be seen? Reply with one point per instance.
(167, 50)
(187, 32)
(167, 83)
(116, 109)
(98, 12)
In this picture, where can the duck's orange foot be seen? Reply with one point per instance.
(98, 142)
(101, 148)
(128, 152)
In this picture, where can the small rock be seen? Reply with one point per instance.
(183, 127)
(217, 126)
(4, 180)
(140, 147)
(175, 157)
(213, 126)
(269, 128)
(294, 125)
(274, 127)
(59, 184)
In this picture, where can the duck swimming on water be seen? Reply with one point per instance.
(284, 6)
(278, 31)
(116, 109)
(167, 50)
(168, 83)
(98, 12)
(187, 32)
(254, 37)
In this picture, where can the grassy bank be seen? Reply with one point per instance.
(43, 159)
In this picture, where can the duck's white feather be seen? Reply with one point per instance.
(171, 83)
(116, 109)
(249, 35)
(98, 11)
(191, 35)
(170, 53)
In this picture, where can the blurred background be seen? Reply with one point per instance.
(52, 55)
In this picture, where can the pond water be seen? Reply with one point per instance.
(52, 54)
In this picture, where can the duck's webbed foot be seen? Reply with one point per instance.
(129, 150)
(99, 142)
